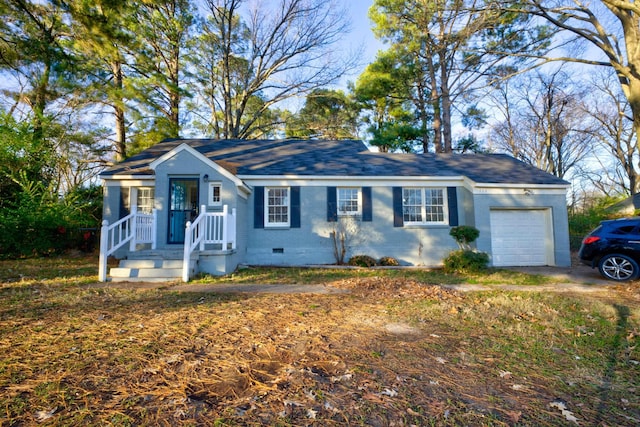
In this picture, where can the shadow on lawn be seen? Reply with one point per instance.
(618, 345)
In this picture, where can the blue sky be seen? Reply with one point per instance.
(362, 26)
(360, 36)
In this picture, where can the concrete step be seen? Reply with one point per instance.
(145, 274)
(151, 263)
(154, 269)
(157, 254)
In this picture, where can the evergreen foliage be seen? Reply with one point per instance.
(36, 224)
(465, 261)
(464, 235)
(362, 261)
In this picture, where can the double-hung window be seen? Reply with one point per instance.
(144, 202)
(277, 207)
(349, 201)
(424, 206)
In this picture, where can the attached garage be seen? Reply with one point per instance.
(521, 237)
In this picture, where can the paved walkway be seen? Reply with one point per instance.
(255, 288)
(577, 278)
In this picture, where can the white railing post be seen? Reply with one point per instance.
(203, 226)
(104, 243)
(132, 229)
(186, 260)
(225, 225)
(233, 228)
(154, 229)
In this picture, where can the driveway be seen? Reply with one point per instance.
(577, 273)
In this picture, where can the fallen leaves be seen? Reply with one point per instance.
(44, 415)
(384, 353)
(562, 407)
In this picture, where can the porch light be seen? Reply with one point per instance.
(205, 178)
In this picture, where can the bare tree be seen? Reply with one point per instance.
(611, 26)
(614, 131)
(269, 55)
(544, 124)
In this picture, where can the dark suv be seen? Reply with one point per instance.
(614, 247)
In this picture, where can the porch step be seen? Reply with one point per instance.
(119, 274)
(151, 263)
(155, 268)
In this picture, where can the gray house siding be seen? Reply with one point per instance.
(308, 244)
(424, 245)
(185, 165)
(111, 205)
(465, 207)
(312, 243)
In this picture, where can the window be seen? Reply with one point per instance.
(626, 229)
(277, 207)
(349, 201)
(145, 199)
(423, 206)
(215, 196)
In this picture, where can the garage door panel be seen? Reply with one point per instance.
(520, 237)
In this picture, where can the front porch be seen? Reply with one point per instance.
(209, 245)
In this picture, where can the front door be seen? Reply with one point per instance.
(183, 206)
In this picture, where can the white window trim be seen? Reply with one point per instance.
(349, 214)
(213, 185)
(268, 224)
(136, 193)
(445, 207)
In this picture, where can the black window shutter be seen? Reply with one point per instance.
(295, 207)
(398, 220)
(332, 204)
(367, 208)
(258, 207)
(452, 198)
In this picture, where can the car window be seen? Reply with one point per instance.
(625, 229)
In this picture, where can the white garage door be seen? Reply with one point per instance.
(521, 237)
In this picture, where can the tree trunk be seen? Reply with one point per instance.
(39, 103)
(226, 28)
(435, 104)
(174, 101)
(421, 104)
(446, 103)
(120, 124)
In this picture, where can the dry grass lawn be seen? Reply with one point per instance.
(391, 349)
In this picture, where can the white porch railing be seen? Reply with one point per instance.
(133, 229)
(208, 228)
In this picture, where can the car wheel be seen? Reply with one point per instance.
(618, 267)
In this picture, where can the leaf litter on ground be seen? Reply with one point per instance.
(369, 356)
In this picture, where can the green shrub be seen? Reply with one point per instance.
(362, 261)
(583, 222)
(37, 225)
(388, 261)
(464, 235)
(466, 261)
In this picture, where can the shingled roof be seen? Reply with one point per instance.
(246, 158)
